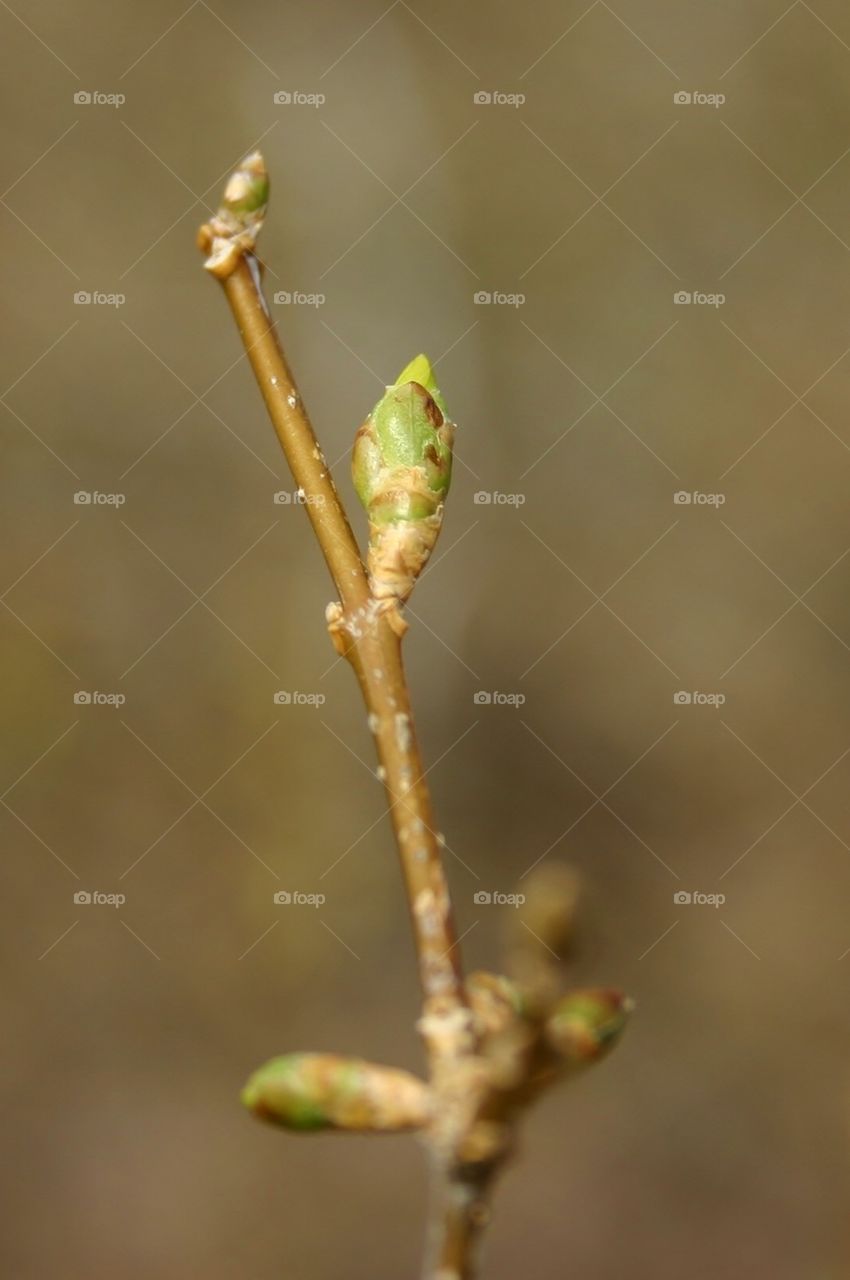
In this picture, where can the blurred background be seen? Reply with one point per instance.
(622, 231)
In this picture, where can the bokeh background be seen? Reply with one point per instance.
(714, 1142)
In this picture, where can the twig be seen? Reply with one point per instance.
(365, 635)
(490, 1047)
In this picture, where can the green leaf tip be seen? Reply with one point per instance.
(421, 371)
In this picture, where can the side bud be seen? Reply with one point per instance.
(586, 1024)
(308, 1091)
(401, 465)
(496, 1002)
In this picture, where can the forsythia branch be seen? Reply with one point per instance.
(493, 1043)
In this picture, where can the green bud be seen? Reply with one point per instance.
(234, 229)
(586, 1024)
(246, 194)
(308, 1091)
(401, 466)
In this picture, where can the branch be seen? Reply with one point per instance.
(493, 1044)
(363, 629)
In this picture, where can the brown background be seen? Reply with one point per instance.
(714, 1143)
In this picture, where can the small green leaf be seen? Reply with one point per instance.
(421, 370)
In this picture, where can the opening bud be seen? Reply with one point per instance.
(401, 466)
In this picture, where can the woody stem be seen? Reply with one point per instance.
(363, 633)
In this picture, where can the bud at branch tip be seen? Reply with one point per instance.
(234, 229)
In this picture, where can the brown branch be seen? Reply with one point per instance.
(492, 1044)
(364, 633)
